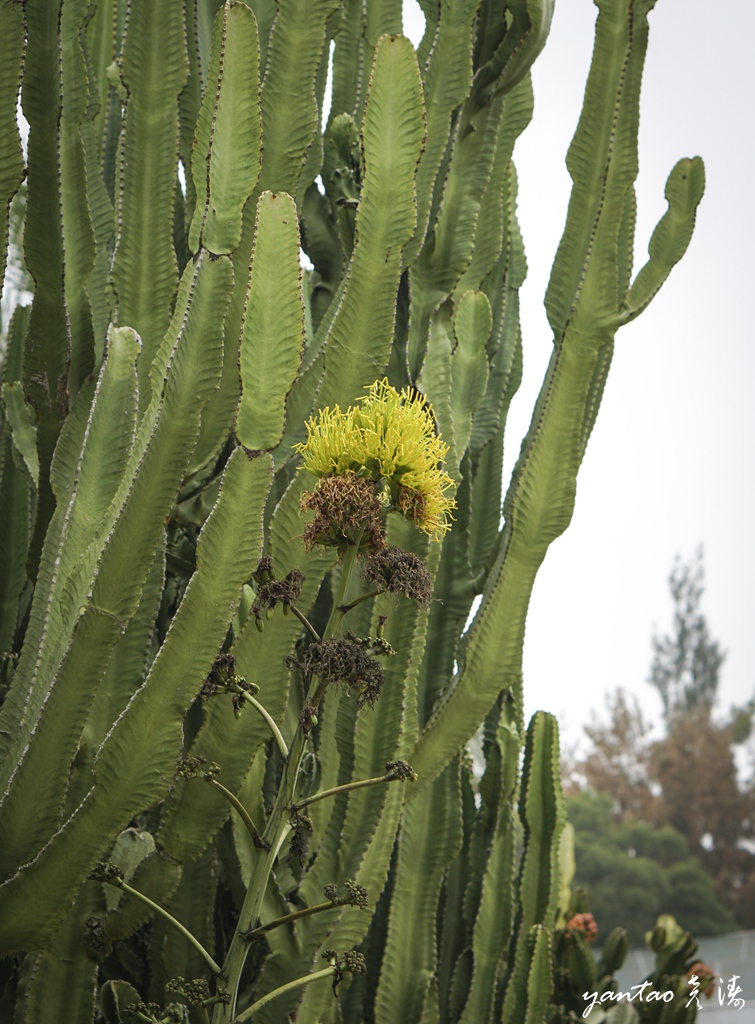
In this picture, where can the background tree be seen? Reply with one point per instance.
(635, 870)
(694, 765)
(686, 662)
(685, 781)
(617, 762)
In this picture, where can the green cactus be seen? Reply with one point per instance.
(206, 812)
(585, 987)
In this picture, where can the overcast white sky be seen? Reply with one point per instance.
(669, 465)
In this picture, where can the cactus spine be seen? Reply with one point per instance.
(154, 398)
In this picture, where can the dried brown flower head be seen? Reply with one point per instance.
(400, 572)
(346, 509)
(343, 660)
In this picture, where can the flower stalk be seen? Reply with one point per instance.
(277, 734)
(113, 878)
(346, 788)
(242, 812)
(279, 825)
(326, 972)
(295, 915)
(305, 622)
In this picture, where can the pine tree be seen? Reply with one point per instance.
(687, 661)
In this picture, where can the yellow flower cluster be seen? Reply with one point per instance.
(389, 438)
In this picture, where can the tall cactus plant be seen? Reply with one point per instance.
(205, 810)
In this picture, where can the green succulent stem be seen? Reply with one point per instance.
(257, 839)
(120, 884)
(347, 787)
(326, 972)
(279, 824)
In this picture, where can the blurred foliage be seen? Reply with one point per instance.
(635, 871)
(649, 795)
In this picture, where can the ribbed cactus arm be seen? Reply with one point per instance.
(543, 814)
(602, 163)
(349, 68)
(477, 133)
(356, 39)
(528, 24)
(11, 158)
(584, 307)
(272, 334)
(63, 975)
(671, 237)
(52, 709)
(46, 351)
(446, 81)
(430, 838)
(100, 39)
(227, 142)
(292, 45)
(136, 763)
(448, 249)
(84, 490)
(393, 131)
(17, 497)
(100, 570)
(489, 897)
(153, 69)
(290, 110)
(78, 232)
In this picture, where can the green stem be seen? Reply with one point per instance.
(176, 924)
(287, 918)
(347, 787)
(326, 972)
(339, 605)
(266, 715)
(305, 622)
(242, 812)
(358, 600)
(279, 825)
(202, 1014)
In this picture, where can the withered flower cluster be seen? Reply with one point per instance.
(343, 660)
(302, 829)
(396, 571)
(274, 592)
(346, 509)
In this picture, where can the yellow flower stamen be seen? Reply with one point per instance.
(389, 437)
